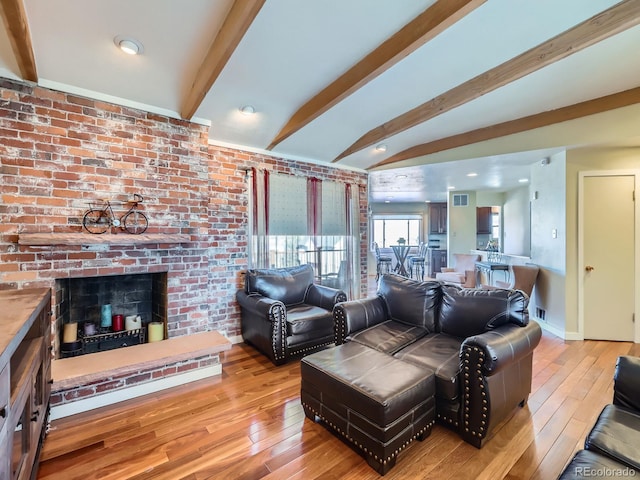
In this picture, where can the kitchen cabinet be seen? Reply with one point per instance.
(25, 379)
(437, 218)
(437, 260)
(483, 220)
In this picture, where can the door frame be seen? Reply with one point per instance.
(581, 262)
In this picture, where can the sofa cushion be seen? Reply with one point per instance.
(409, 301)
(305, 318)
(440, 353)
(288, 285)
(593, 465)
(388, 337)
(617, 435)
(465, 312)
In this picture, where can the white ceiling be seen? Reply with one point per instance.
(293, 49)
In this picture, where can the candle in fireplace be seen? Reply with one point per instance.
(105, 318)
(156, 331)
(70, 332)
(117, 322)
(132, 322)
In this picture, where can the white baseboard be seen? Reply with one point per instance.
(236, 339)
(573, 336)
(109, 398)
(559, 332)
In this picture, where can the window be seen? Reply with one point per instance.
(495, 224)
(298, 220)
(388, 229)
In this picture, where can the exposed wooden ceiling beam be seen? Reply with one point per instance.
(571, 112)
(616, 19)
(15, 20)
(236, 24)
(409, 38)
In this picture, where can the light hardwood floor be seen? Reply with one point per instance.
(249, 424)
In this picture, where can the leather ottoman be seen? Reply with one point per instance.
(376, 402)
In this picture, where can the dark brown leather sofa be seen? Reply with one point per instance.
(612, 448)
(285, 314)
(475, 345)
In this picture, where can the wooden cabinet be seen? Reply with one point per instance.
(483, 220)
(438, 218)
(4, 411)
(437, 260)
(25, 379)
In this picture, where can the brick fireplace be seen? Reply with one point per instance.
(59, 152)
(80, 302)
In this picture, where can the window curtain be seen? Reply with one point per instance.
(314, 207)
(259, 218)
(352, 221)
(298, 220)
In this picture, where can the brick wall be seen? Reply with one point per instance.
(59, 151)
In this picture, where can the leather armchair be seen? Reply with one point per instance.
(285, 314)
(612, 444)
(463, 274)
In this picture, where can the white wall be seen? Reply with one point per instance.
(461, 227)
(548, 215)
(489, 199)
(578, 160)
(516, 223)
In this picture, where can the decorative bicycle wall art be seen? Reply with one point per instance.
(100, 217)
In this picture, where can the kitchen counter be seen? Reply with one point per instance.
(506, 257)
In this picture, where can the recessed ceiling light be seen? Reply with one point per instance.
(381, 147)
(128, 45)
(387, 201)
(523, 180)
(248, 110)
(472, 174)
(400, 177)
(450, 188)
(427, 201)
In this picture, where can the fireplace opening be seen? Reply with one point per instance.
(94, 314)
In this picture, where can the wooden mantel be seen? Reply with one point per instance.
(48, 239)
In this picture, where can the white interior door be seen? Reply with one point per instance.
(608, 257)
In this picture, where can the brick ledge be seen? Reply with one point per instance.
(87, 369)
(50, 239)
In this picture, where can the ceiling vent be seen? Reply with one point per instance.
(460, 199)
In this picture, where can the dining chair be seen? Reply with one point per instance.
(523, 278)
(418, 262)
(382, 262)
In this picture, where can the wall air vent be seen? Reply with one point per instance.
(460, 199)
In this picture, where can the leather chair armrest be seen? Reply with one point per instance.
(626, 385)
(356, 315)
(324, 297)
(497, 370)
(504, 345)
(257, 304)
(264, 324)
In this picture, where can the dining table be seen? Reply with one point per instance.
(401, 252)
